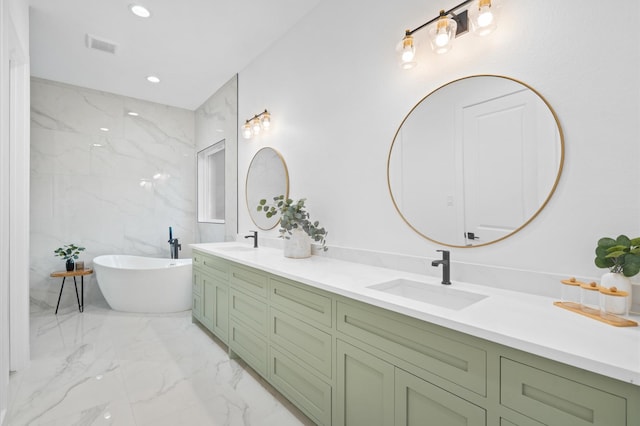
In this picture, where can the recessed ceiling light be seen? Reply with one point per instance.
(139, 10)
(104, 129)
(133, 113)
(97, 145)
(153, 79)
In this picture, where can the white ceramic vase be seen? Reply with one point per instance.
(298, 245)
(616, 305)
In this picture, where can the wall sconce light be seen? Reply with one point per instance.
(253, 126)
(481, 15)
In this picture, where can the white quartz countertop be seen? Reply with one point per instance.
(518, 320)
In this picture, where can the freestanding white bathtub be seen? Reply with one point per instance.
(144, 284)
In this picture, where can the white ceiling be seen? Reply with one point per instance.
(194, 46)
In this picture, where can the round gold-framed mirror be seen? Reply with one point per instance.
(267, 177)
(475, 161)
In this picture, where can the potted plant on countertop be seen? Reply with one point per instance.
(622, 257)
(69, 252)
(296, 226)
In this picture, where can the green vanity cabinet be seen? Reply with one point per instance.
(301, 346)
(451, 358)
(210, 294)
(344, 362)
(418, 402)
(196, 295)
(558, 401)
(248, 329)
(310, 392)
(365, 388)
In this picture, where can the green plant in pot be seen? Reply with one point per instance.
(296, 226)
(68, 252)
(622, 257)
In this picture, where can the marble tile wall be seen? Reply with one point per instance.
(113, 192)
(215, 120)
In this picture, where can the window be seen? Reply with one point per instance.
(211, 184)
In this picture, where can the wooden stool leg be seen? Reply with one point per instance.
(61, 287)
(77, 297)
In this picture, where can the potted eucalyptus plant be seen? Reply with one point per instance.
(296, 226)
(622, 257)
(69, 253)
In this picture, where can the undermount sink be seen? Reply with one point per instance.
(235, 248)
(443, 296)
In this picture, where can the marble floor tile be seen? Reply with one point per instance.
(103, 367)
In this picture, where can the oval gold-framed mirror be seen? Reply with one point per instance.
(475, 161)
(267, 177)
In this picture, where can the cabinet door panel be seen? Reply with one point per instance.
(365, 388)
(420, 403)
(221, 312)
(208, 301)
(305, 390)
(555, 400)
(196, 309)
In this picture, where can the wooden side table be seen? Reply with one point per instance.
(79, 273)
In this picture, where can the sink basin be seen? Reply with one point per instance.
(443, 296)
(235, 248)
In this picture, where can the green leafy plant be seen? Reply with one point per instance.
(621, 255)
(293, 215)
(69, 251)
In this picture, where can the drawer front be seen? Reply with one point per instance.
(213, 266)
(250, 311)
(249, 346)
(300, 302)
(249, 281)
(309, 393)
(412, 342)
(196, 308)
(196, 282)
(557, 401)
(417, 400)
(307, 343)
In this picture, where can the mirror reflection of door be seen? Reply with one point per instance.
(478, 156)
(495, 129)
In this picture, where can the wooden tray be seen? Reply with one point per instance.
(595, 314)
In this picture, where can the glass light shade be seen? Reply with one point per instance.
(139, 10)
(246, 130)
(265, 120)
(483, 17)
(441, 34)
(408, 53)
(255, 126)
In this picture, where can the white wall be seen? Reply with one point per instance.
(337, 95)
(216, 119)
(92, 196)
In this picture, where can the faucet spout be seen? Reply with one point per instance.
(174, 246)
(254, 235)
(446, 266)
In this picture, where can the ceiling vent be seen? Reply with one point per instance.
(96, 43)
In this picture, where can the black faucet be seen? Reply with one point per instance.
(255, 238)
(446, 266)
(174, 247)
